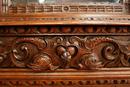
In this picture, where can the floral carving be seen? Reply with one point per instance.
(42, 62)
(66, 53)
(52, 53)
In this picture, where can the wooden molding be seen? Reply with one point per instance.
(66, 19)
(68, 78)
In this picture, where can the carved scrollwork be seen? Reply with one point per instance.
(115, 57)
(52, 53)
(5, 50)
(90, 61)
(24, 49)
(110, 52)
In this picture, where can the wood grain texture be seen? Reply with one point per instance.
(64, 55)
(68, 78)
(64, 19)
(65, 50)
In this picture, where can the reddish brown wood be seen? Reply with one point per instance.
(87, 55)
(0, 6)
(65, 49)
(64, 18)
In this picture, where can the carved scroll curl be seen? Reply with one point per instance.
(24, 49)
(114, 55)
(90, 62)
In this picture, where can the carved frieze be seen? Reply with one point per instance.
(64, 52)
(63, 30)
(74, 8)
(66, 18)
(72, 83)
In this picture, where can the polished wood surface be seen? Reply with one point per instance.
(65, 55)
(64, 19)
(66, 78)
(65, 49)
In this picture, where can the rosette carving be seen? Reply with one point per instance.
(66, 53)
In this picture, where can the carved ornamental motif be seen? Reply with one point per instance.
(69, 6)
(96, 83)
(64, 52)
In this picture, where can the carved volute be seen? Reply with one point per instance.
(64, 43)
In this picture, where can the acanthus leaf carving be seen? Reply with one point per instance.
(52, 53)
(24, 49)
(90, 62)
(116, 55)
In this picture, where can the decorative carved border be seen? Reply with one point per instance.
(108, 78)
(80, 56)
(88, 8)
(31, 47)
(66, 18)
(64, 30)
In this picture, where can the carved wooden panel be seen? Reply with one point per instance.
(31, 47)
(65, 55)
(65, 45)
